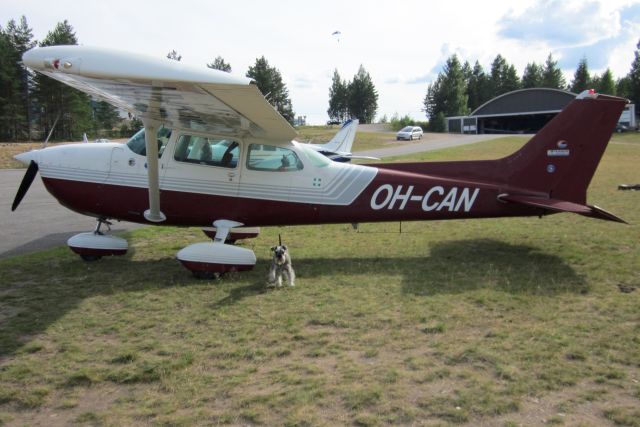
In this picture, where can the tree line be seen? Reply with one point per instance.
(33, 105)
(459, 88)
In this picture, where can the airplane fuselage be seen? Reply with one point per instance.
(109, 181)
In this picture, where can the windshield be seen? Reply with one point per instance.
(272, 159)
(316, 158)
(137, 143)
(407, 129)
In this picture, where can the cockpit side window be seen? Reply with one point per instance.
(272, 159)
(138, 145)
(207, 151)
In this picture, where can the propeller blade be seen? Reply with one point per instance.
(32, 170)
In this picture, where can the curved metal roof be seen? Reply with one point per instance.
(530, 100)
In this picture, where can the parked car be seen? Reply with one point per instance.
(409, 133)
(621, 128)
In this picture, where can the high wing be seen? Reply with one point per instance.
(165, 91)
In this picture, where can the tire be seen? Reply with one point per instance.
(206, 275)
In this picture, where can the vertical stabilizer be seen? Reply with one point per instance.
(560, 160)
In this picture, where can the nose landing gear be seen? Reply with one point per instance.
(91, 246)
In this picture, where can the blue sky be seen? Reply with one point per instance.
(402, 44)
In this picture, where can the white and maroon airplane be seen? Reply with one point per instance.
(214, 151)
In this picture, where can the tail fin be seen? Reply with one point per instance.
(560, 160)
(343, 140)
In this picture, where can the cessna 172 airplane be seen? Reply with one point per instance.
(214, 151)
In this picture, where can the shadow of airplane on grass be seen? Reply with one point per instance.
(38, 290)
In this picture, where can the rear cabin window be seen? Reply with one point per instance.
(207, 151)
(272, 159)
(138, 145)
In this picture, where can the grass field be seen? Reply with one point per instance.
(485, 322)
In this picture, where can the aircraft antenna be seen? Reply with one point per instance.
(44, 144)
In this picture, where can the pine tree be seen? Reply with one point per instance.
(477, 87)
(605, 84)
(338, 98)
(58, 100)
(532, 76)
(634, 78)
(623, 87)
(105, 117)
(552, 75)
(219, 64)
(504, 77)
(581, 79)
(363, 97)
(14, 81)
(454, 89)
(174, 55)
(269, 81)
(447, 96)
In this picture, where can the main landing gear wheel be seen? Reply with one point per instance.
(210, 260)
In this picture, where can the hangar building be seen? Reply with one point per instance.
(520, 111)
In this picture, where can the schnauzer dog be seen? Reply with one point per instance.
(281, 265)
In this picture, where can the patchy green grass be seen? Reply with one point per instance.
(500, 322)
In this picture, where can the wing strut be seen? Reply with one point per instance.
(152, 214)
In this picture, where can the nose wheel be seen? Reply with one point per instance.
(92, 246)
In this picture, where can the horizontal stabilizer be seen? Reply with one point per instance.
(556, 205)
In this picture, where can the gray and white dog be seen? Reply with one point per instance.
(281, 266)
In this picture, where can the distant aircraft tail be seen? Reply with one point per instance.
(343, 140)
(561, 159)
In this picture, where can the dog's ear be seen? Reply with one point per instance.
(284, 247)
(273, 248)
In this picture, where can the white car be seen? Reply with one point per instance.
(409, 133)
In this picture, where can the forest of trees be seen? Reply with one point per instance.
(31, 105)
(460, 88)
